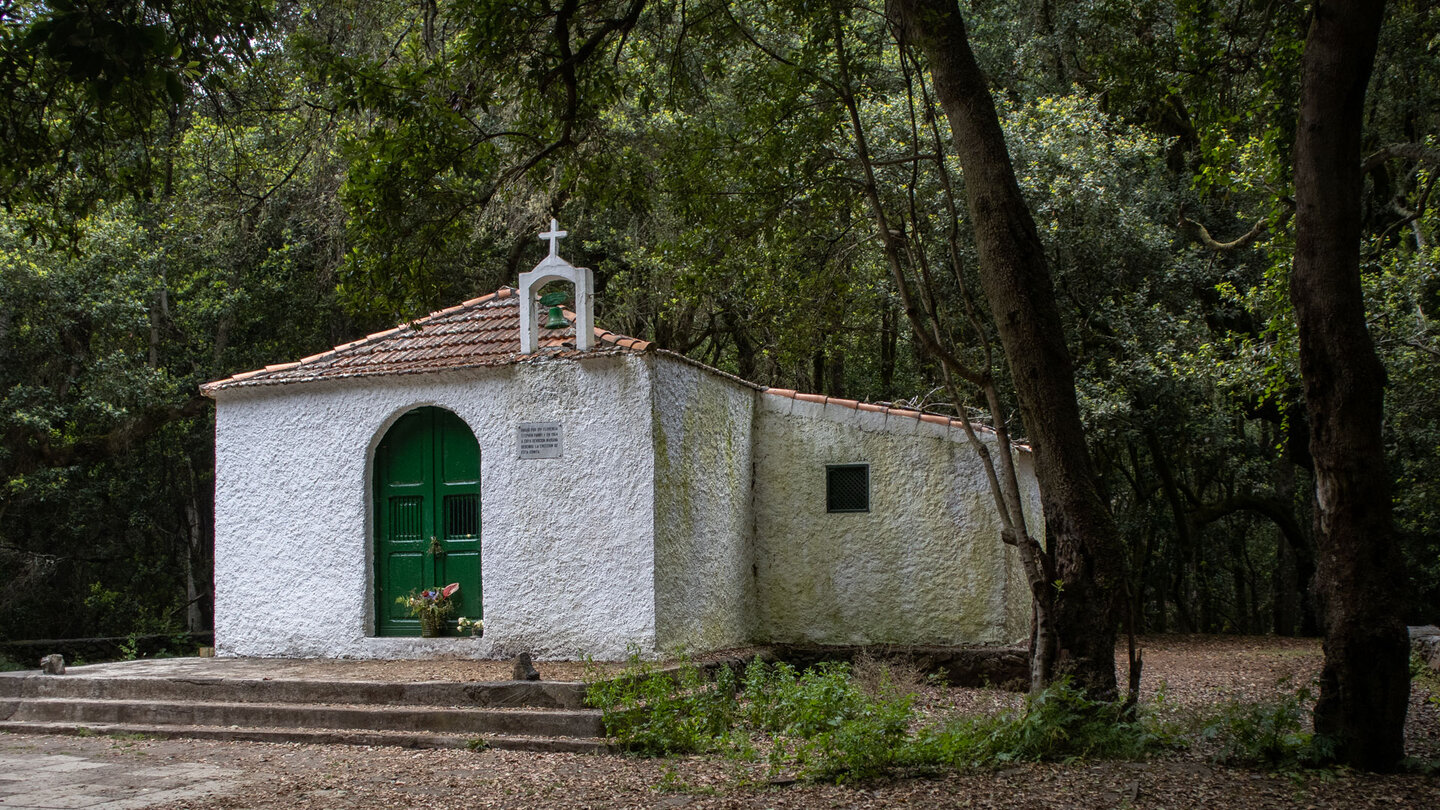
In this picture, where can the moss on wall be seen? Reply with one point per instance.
(704, 591)
(924, 565)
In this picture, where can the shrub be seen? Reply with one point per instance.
(839, 730)
(659, 713)
(1268, 733)
(780, 700)
(1059, 723)
(832, 724)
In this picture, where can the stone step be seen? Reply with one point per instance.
(496, 694)
(411, 719)
(571, 745)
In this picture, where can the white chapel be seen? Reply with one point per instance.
(591, 494)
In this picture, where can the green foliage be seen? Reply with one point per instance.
(1057, 724)
(835, 729)
(1425, 677)
(821, 725)
(660, 713)
(91, 94)
(1270, 734)
(779, 699)
(818, 718)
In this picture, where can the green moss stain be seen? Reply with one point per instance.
(698, 479)
(904, 572)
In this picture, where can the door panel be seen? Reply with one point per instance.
(427, 485)
(402, 568)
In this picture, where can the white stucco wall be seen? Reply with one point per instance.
(567, 544)
(924, 565)
(704, 580)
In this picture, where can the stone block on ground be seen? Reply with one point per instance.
(1425, 643)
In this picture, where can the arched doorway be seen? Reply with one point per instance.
(427, 515)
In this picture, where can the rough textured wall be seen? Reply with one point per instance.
(924, 566)
(567, 546)
(1017, 621)
(704, 581)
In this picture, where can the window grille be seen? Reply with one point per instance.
(847, 488)
(462, 516)
(405, 518)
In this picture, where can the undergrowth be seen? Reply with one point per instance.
(826, 723)
(1059, 724)
(1269, 734)
(836, 722)
(659, 713)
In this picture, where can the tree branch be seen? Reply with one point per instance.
(1418, 152)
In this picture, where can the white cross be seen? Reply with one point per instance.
(554, 235)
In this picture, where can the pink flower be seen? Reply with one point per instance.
(450, 590)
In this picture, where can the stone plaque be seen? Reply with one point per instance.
(539, 440)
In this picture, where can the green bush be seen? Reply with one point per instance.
(822, 724)
(780, 700)
(1269, 734)
(660, 713)
(865, 745)
(839, 732)
(1059, 723)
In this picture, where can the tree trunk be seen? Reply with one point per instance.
(1079, 528)
(1364, 686)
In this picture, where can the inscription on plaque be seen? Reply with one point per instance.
(539, 440)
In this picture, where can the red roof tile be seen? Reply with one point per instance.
(484, 332)
(908, 413)
(480, 332)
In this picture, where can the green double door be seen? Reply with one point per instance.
(427, 516)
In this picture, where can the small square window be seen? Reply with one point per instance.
(847, 488)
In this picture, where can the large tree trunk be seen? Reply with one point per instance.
(1364, 686)
(1079, 528)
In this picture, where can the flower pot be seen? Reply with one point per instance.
(431, 625)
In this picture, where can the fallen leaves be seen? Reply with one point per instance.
(1196, 671)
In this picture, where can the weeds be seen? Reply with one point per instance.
(1058, 724)
(1269, 734)
(1421, 673)
(834, 725)
(658, 713)
(840, 723)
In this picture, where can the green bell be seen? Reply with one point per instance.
(557, 317)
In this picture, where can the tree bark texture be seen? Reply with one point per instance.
(1079, 529)
(1365, 681)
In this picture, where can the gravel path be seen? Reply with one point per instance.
(1194, 670)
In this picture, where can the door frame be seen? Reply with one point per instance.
(374, 610)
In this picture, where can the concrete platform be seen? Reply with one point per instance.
(287, 700)
(251, 680)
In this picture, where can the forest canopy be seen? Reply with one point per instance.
(193, 189)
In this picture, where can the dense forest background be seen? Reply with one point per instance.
(198, 188)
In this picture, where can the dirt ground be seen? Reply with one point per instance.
(1194, 671)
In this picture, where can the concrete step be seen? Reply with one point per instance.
(402, 739)
(497, 694)
(412, 719)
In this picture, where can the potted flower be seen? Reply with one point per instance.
(475, 626)
(431, 607)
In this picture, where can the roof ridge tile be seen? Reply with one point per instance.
(872, 407)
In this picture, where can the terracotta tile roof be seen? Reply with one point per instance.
(481, 332)
(909, 413)
(484, 332)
